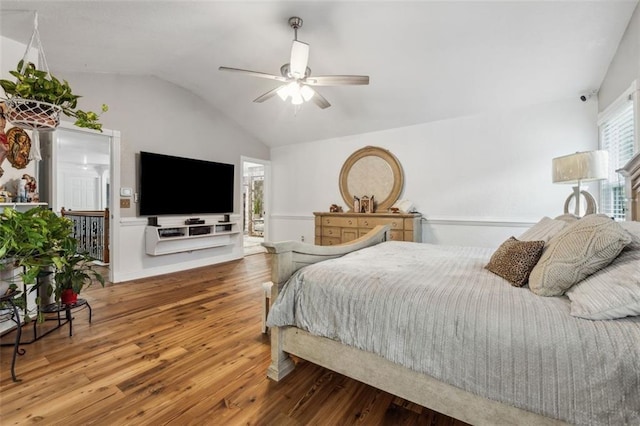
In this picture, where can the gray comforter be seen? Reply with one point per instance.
(436, 310)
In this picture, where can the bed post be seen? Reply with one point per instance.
(289, 256)
(281, 267)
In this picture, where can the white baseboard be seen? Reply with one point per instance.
(176, 267)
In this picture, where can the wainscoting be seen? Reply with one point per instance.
(478, 232)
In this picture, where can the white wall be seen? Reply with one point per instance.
(10, 53)
(157, 116)
(476, 179)
(625, 66)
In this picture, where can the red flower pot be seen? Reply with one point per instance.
(68, 297)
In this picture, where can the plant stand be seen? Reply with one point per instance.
(56, 308)
(68, 318)
(16, 318)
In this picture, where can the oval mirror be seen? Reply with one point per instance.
(372, 171)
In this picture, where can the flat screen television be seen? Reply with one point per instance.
(184, 186)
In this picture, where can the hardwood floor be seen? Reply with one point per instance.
(182, 348)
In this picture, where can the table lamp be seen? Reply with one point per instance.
(577, 168)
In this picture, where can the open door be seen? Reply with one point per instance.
(255, 180)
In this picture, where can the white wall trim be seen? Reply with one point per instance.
(500, 222)
(133, 221)
(443, 220)
(292, 217)
(176, 267)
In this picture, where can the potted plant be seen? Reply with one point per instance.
(72, 272)
(29, 240)
(37, 97)
(38, 242)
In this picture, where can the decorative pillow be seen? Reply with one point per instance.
(613, 292)
(582, 248)
(567, 217)
(514, 260)
(633, 228)
(543, 230)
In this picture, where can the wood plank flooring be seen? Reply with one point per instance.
(183, 349)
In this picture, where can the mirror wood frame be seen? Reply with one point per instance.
(390, 159)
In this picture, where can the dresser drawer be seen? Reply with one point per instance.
(343, 222)
(331, 231)
(330, 241)
(408, 224)
(397, 236)
(371, 222)
(349, 234)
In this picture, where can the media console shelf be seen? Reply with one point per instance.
(174, 239)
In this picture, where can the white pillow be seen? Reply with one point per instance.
(567, 217)
(611, 293)
(632, 228)
(579, 250)
(544, 230)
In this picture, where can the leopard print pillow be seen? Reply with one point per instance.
(515, 259)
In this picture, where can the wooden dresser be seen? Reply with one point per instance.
(338, 228)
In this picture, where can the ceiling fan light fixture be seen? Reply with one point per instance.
(283, 92)
(295, 76)
(307, 93)
(290, 89)
(297, 99)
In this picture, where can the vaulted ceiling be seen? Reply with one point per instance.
(428, 60)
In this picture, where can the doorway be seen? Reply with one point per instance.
(254, 204)
(78, 170)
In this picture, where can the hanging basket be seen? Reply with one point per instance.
(33, 115)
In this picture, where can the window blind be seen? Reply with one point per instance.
(617, 137)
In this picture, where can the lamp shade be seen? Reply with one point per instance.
(580, 167)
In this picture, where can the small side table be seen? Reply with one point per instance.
(8, 297)
(67, 308)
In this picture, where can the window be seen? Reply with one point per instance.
(617, 135)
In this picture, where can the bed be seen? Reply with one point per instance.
(432, 325)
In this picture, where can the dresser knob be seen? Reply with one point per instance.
(330, 232)
(350, 222)
(366, 223)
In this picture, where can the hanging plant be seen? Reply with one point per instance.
(38, 95)
(36, 98)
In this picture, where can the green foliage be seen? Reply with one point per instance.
(74, 271)
(38, 238)
(32, 83)
(31, 238)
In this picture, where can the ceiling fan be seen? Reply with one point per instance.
(296, 76)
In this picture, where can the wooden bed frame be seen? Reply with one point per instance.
(366, 367)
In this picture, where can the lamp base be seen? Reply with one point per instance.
(591, 204)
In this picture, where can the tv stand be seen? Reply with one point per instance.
(161, 240)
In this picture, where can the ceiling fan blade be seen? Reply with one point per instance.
(254, 73)
(270, 94)
(337, 80)
(299, 58)
(319, 100)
